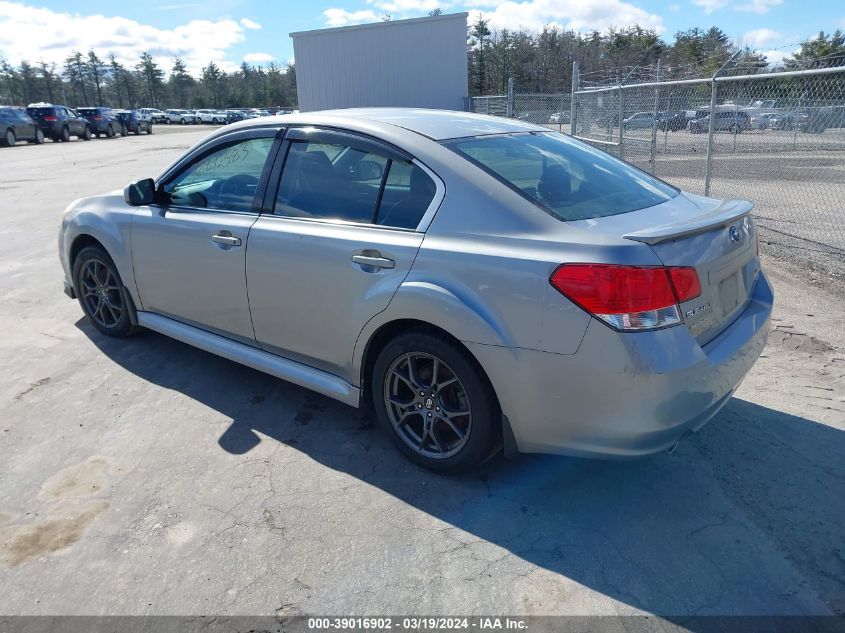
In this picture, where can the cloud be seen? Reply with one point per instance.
(760, 37)
(775, 57)
(710, 6)
(35, 33)
(578, 15)
(342, 17)
(758, 6)
(250, 24)
(407, 6)
(258, 58)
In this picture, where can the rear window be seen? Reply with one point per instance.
(86, 111)
(41, 111)
(569, 179)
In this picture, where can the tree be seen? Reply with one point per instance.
(212, 78)
(479, 31)
(153, 78)
(49, 79)
(96, 70)
(179, 81)
(9, 83)
(75, 72)
(822, 51)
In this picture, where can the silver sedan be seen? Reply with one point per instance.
(482, 283)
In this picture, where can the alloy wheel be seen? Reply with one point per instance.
(427, 405)
(101, 294)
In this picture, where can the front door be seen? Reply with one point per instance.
(342, 237)
(188, 250)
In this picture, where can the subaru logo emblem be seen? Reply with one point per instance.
(735, 235)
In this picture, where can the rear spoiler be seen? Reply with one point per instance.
(726, 212)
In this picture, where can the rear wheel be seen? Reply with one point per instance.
(65, 134)
(150, 129)
(110, 131)
(183, 121)
(39, 137)
(435, 402)
(101, 293)
(9, 139)
(86, 134)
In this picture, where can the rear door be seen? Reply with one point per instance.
(338, 236)
(189, 249)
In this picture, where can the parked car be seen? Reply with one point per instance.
(103, 121)
(16, 125)
(762, 121)
(215, 117)
(151, 114)
(672, 121)
(233, 116)
(183, 117)
(640, 121)
(784, 120)
(133, 123)
(533, 116)
(814, 120)
(724, 121)
(423, 260)
(59, 122)
(559, 118)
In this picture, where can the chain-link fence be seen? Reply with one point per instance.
(777, 139)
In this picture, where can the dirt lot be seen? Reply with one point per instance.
(147, 477)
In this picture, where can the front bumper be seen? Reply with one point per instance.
(624, 394)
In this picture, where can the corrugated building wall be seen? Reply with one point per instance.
(420, 62)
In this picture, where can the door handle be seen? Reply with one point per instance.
(226, 240)
(374, 261)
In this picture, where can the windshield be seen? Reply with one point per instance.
(570, 179)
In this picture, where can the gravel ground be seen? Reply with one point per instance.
(147, 477)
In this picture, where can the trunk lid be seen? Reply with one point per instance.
(717, 237)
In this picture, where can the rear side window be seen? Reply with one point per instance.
(570, 179)
(226, 179)
(339, 182)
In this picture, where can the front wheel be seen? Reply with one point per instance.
(101, 293)
(110, 131)
(9, 138)
(86, 134)
(150, 129)
(435, 402)
(39, 137)
(65, 134)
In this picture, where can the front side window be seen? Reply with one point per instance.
(339, 182)
(225, 179)
(570, 179)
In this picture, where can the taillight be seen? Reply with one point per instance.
(628, 297)
(49, 118)
(97, 117)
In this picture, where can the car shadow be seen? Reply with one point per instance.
(746, 517)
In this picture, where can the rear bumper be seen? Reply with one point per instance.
(624, 395)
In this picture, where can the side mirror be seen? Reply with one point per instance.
(140, 192)
(368, 170)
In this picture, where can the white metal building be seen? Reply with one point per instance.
(420, 62)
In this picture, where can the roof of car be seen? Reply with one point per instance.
(435, 124)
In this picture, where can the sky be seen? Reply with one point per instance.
(232, 31)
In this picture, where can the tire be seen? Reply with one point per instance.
(65, 135)
(169, 122)
(437, 444)
(214, 122)
(107, 305)
(137, 131)
(109, 131)
(39, 137)
(123, 131)
(183, 122)
(150, 129)
(9, 138)
(86, 134)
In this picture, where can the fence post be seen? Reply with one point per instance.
(509, 106)
(708, 166)
(573, 106)
(653, 157)
(621, 150)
